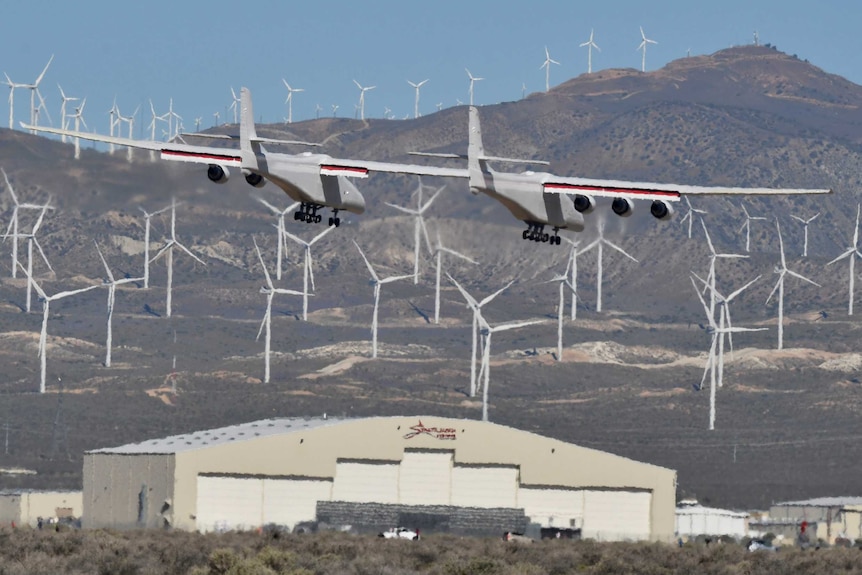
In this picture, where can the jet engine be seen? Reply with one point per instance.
(661, 210)
(217, 174)
(584, 204)
(254, 179)
(622, 207)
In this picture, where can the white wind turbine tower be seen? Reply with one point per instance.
(416, 102)
(851, 252)
(34, 91)
(43, 336)
(234, 105)
(642, 46)
(564, 282)
(599, 243)
(362, 90)
(289, 99)
(589, 44)
(805, 225)
(308, 265)
(713, 256)
(747, 227)
(79, 120)
(438, 252)
(216, 116)
(377, 282)
(112, 284)
(477, 309)
(782, 272)
(689, 215)
(31, 240)
(147, 216)
(573, 278)
(270, 291)
(473, 80)
(130, 121)
(168, 249)
(547, 66)
(63, 114)
(12, 230)
(718, 331)
(113, 113)
(419, 229)
(12, 85)
(280, 227)
(198, 121)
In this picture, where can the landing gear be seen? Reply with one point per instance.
(308, 213)
(334, 220)
(536, 233)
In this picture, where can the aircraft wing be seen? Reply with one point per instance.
(360, 169)
(168, 150)
(652, 191)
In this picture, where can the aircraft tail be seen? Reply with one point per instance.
(476, 164)
(249, 147)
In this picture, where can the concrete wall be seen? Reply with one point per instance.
(25, 507)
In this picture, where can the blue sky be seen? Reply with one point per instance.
(194, 51)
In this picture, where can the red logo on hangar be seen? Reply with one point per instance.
(446, 433)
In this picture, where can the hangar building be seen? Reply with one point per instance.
(438, 474)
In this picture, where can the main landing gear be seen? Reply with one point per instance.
(308, 213)
(536, 232)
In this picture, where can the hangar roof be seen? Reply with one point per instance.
(219, 436)
(822, 502)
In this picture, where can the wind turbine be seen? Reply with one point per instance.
(12, 85)
(642, 46)
(147, 216)
(851, 251)
(31, 240)
(280, 227)
(113, 113)
(317, 110)
(289, 100)
(717, 332)
(598, 243)
(419, 229)
(473, 80)
(79, 120)
(46, 304)
(234, 105)
(362, 90)
(747, 227)
(130, 121)
(563, 280)
(713, 256)
(34, 91)
(547, 67)
(12, 230)
(477, 309)
(334, 110)
(270, 291)
(689, 215)
(805, 225)
(308, 265)
(112, 284)
(782, 272)
(573, 279)
(439, 250)
(416, 103)
(168, 249)
(376, 282)
(589, 44)
(63, 110)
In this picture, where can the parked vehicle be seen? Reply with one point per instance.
(401, 533)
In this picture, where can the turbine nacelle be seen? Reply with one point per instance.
(661, 210)
(218, 174)
(254, 179)
(584, 204)
(623, 207)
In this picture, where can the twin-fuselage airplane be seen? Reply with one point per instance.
(319, 181)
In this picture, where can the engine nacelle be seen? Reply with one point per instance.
(254, 179)
(217, 174)
(584, 204)
(661, 210)
(623, 207)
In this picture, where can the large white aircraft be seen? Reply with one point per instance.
(317, 181)
(542, 199)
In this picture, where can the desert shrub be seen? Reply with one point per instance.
(221, 561)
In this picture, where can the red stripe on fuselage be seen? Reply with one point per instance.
(634, 191)
(214, 157)
(345, 169)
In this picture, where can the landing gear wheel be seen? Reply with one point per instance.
(331, 222)
(297, 215)
(337, 222)
(525, 234)
(318, 219)
(545, 238)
